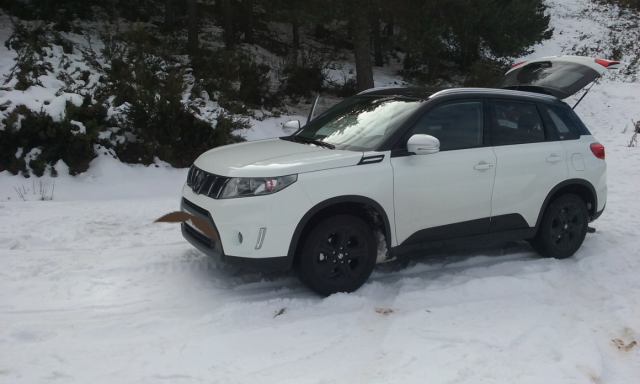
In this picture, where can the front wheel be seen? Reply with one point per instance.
(563, 227)
(338, 255)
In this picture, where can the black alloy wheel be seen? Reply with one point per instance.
(338, 255)
(563, 227)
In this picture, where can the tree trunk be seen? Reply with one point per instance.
(192, 13)
(228, 25)
(407, 64)
(377, 43)
(296, 35)
(469, 51)
(362, 50)
(168, 15)
(390, 26)
(218, 8)
(320, 32)
(248, 21)
(434, 65)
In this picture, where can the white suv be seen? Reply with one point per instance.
(409, 170)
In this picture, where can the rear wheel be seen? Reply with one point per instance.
(338, 255)
(563, 227)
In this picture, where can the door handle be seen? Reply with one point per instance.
(553, 159)
(480, 167)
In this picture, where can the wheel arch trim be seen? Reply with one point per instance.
(356, 199)
(565, 184)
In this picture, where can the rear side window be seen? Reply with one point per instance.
(561, 122)
(515, 123)
(457, 125)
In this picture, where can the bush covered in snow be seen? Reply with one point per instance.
(134, 100)
(35, 140)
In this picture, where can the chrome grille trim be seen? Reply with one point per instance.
(205, 183)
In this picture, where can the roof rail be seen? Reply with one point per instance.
(491, 90)
(375, 89)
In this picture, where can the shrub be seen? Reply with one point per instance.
(29, 40)
(150, 90)
(54, 140)
(236, 77)
(347, 88)
(302, 73)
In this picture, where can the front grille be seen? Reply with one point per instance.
(205, 183)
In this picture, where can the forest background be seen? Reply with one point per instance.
(150, 80)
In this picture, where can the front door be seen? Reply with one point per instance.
(445, 194)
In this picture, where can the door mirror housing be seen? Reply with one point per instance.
(423, 144)
(291, 126)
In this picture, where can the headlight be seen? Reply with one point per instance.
(244, 187)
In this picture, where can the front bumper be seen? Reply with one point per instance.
(199, 240)
(246, 216)
(210, 248)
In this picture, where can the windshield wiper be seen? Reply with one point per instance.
(306, 140)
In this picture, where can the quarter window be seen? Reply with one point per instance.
(515, 123)
(457, 125)
(561, 122)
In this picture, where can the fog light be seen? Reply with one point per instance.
(240, 237)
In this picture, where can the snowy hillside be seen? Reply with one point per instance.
(92, 291)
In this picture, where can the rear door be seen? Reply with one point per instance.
(560, 76)
(528, 164)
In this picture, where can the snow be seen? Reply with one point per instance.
(91, 290)
(81, 127)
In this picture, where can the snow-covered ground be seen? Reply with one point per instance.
(92, 291)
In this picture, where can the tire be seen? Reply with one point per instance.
(563, 227)
(338, 255)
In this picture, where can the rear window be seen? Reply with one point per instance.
(562, 79)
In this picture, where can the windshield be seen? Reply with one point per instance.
(359, 123)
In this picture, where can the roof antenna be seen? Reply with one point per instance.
(313, 108)
(585, 92)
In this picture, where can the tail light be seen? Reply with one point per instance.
(598, 150)
(609, 64)
(516, 64)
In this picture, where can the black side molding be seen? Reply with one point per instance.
(462, 243)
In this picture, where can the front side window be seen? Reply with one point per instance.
(515, 123)
(458, 125)
(359, 123)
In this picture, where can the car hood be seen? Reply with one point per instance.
(272, 158)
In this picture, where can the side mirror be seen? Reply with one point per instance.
(423, 144)
(291, 126)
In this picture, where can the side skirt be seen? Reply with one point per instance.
(462, 243)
